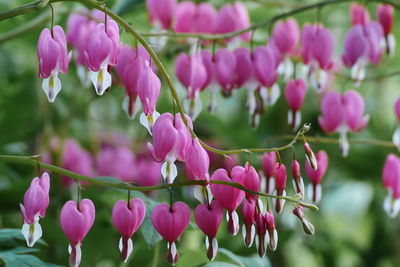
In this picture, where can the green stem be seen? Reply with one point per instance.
(32, 162)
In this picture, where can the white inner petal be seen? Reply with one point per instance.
(51, 86)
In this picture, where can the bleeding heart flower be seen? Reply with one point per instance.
(341, 114)
(391, 182)
(248, 228)
(161, 12)
(261, 229)
(280, 185)
(147, 172)
(102, 51)
(294, 93)
(131, 66)
(171, 141)
(53, 59)
(251, 179)
(363, 43)
(229, 197)
(385, 15)
(359, 14)
(273, 234)
(170, 222)
(316, 51)
(298, 183)
(208, 218)
(314, 189)
(36, 201)
(76, 221)
(149, 86)
(307, 226)
(268, 163)
(225, 67)
(127, 218)
(233, 17)
(192, 73)
(116, 162)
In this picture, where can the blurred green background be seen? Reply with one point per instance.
(351, 227)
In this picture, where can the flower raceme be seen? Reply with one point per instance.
(76, 220)
(171, 222)
(342, 114)
(36, 200)
(314, 189)
(171, 141)
(102, 51)
(53, 59)
(391, 182)
(127, 218)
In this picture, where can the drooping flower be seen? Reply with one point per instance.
(76, 221)
(76, 159)
(147, 172)
(280, 185)
(261, 230)
(316, 51)
(197, 164)
(53, 59)
(307, 226)
(208, 218)
(294, 93)
(248, 213)
(286, 36)
(358, 14)
(36, 200)
(233, 17)
(396, 134)
(192, 18)
(391, 182)
(192, 73)
(385, 15)
(272, 233)
(161, 12)
(251, 179)
(225, 67)
(116, 162)
(314, 189)
(127, 218)
(229, 197)
(342, 114)
(171, 141)
(362, 45)
(149, 86)
(102, 51)
(171, 222)
(79, 30)
(298, 183)
(130, 67)
(268, 163)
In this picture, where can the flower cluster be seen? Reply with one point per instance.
(170, 221)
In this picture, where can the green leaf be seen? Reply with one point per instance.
(17, 257)
(9, 237)
(219, 264)
(246, 261)
(151, 236)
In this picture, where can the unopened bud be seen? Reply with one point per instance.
(310, 156)
(273, 234)
(307, 226)
(298, 183)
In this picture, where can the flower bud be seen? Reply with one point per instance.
(298, 183)
(273, 234)
(310, 156)
(307, 226)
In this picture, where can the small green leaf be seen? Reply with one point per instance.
(149, 233)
